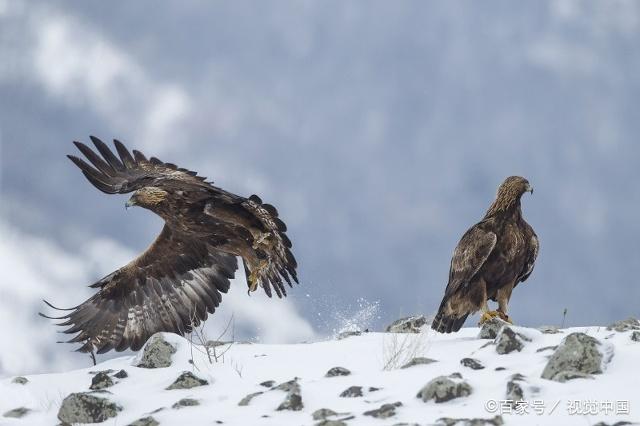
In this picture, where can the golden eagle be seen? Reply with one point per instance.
(180, 277)
(492, 257)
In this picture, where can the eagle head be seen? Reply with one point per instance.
(514, 186)
(147, 197)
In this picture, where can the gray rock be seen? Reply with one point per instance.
(20, 380)
(323, 413)
(576, 357)
(268, 383)
(145, 421)
(491, 328)
(185, 402)
(547, 348)
(346, 334)
(635, 336)
(549, 329)
(337, 371)
(293, 400)
(418, 361)
(86, 408)
(187, 380)
(121, 374)
(247, 399)
(472, 363)
(621, 423)
(411, 324)
(514, 391)
(109, 371)
(442, 389)
(508, 341)
(290, 386)
(455, 375)
(625, 325)
(101, 381)
(17, 413)
(156, 353)
(448, 421)
(352, 392)
(499, 369)
(331, 423)
(385, 411)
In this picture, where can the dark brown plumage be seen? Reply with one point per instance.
(179, 279)
(492, 257)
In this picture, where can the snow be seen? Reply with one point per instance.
(374, 360)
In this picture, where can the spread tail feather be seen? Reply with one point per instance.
(447, 323)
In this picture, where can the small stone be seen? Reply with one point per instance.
(247, 399)
(20, 380)
(635, 336)
(17, 413)
(418, 361)
(86, 408)
(448, 421)
(145, 421)
(411, 324)
(472, 363)
(101, 381)
(323, 413)
(157, 353)
(549, 329)
(352, 392)
(455, 375)
(442, 389)
(268, 383)
(331, 423)
(547, 348)
(514, 392)
(337, 371)
(293, 400)
(508, 341)
(373, 389)
(121, 374)
(577, 356)
(499, 369)
(185, 402)
(346, 334)
(625, 325)
(385, 411)
(491, 328)
(187, 380)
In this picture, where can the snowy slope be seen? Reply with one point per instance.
(373, 359)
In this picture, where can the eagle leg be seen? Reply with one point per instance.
(487, 315)
(256, 273)
(503, 316)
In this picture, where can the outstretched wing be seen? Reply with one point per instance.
(171, 287)
(472, 251)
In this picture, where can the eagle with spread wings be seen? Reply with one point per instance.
(179, 279)
(490, 260)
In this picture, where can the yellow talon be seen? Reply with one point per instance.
(254, 276)
(505, 317)
(487, 316)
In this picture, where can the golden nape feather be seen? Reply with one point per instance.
(180, 278)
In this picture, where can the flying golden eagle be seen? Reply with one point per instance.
(180, 277)
(492, 257)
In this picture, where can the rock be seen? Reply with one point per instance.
(373, 389)
(455, 375)
(331, 423)
(635, 336)
(185, 402)
(293, 400)
(385, 411)
(145, 421)
(576, 357)
(109, 371)
(121, 374)
(472, 363)
(625, 325)
(156, 353)
(621, 423)
(514, 391)
(20, 380)
(549, 329)
(247, 399)
(547, 348)
(323, 413)
(508, 341)
(346, 334)
(418, 361)
(491, 328)
(499, 369)
(216, 343)
(17, 413)
(337, 371)
(187, 380)
(268, 383)
(86, 408)
(442, 389)
(352, 392)
(101, 381)
(448, 421)
(411, 324)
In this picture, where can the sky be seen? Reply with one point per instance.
(380, 131)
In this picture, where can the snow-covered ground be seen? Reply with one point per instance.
(374, 360)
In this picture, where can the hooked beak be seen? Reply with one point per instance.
(130, 203)
(529, 189)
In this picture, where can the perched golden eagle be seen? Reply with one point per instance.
(492, 257)
(180, 277)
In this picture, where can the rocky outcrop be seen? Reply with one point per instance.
(385, 411)
(491, 328)
(187, 380)
(578, 356)
(86, 408)
(145, 421)
(625, 325)
(337, 371)
(156, 353)
(293, 400)
(352, 392)
(101, 381)
(508, 341)
(442, 389)
(411, 324)
(185, 402)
